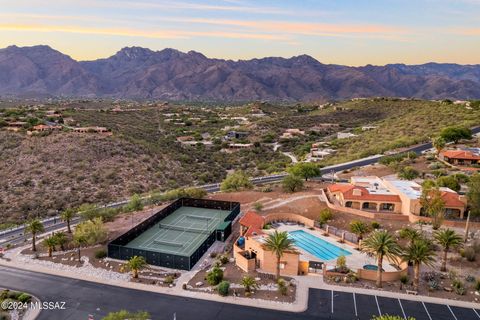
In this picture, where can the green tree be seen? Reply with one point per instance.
(407, 173)
(249, 283)
(438, 143)
(304, 170)
(381, 244)
(292, 183)
(448, 239)
(135, 203)
(79, 240)
(88, 211)
(61, 239)
(410, 234)
(325, 216)
(419, 252)
(433, 205)
(67, 216)
(124, 314)
(135, 264)
(278, 243)
(473, 197)
(50, 243)
(34, 227)
(455, 134)
(359, 228)
(235, 182)
(92, 231)
(449, 182)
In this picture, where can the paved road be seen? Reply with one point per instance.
(83, 298)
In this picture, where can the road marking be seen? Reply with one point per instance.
(453, 314)
(355, 304)
(332, 301)
(426, 310)
(401, 307)
(478, 315)
(378, 306)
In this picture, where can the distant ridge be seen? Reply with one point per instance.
(136, 72)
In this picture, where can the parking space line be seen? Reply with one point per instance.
(426, 310)
(401, 307)
(378, 306)
(478, 315)
(453, 314)
(355, 304)
(332, 301)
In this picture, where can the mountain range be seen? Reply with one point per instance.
(140, 73)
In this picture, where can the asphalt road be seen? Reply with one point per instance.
(83, 298)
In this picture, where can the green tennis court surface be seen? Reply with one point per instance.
(181, 232)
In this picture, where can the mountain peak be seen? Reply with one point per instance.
(134, 52)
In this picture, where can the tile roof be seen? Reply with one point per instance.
(254, 222)
(452, 199)
(460, 154)
(348, 193)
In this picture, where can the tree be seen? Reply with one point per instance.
(249, 283)
(449, 182)
(34, 227)
(88, 211)
(407, 173)
(304, 170)
(359, 228)
(410, 234)
(419, 252)
(135, 264)
(381, 244)
(135, 203)
(124, 314)
(50, 243)
(325, 216)
(79, 240)
(473, 197)
(61, 239)
(67, 216)
(92, 231)
(433, 205)
(448, 239)
(236, 181)
(438, 143)
(279, 243)
(292, 183)
(455, 134)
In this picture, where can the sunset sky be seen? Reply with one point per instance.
(351, 32)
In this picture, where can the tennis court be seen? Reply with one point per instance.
(181, 232)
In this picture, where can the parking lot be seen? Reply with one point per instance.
(345, 305)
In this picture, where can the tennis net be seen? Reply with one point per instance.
(187, 229)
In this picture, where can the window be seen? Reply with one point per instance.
(348, 204)
(282, 265)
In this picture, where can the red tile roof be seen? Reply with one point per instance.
(347, 191)
(254, 222)
(452, 199)
(460, 154)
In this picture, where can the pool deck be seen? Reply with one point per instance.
(355, 261)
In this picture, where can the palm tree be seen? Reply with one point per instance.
(61, 240)
(438, 143)
(34, 227)
(249, 283)
(50, 242)
(447, 238)
(278, 243)
(67, 216)
(418, 252)
(410, 234)
(79, 240)
(359, 228)
(135, 264)
(381, 244)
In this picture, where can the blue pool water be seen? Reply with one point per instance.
(318, 247)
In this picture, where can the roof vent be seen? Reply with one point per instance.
(357, 192)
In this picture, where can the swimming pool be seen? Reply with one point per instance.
(320, 248)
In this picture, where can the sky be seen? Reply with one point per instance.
(349, 32)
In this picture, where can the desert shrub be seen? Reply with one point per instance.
(459, 287)
(258, 206)
(325, 216)
(433, 285)
(215, 276)
(470, 278)
(24, 297)
(375, 225)
(429, 275)
(267, 189)
(223, 288)
(389, 317)
(224, 259)
(408, 173)
(213, 255)
(292, 183)
(100, 253)
(236, 181)
(404, 279)
(470, 253)
(168, 279)
(477, 285)
(91, 231)
(282, 287)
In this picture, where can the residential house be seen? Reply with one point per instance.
(290, 133)
(391, 195)
(463, 157)
(236, 135)
(345, 135)
(42, 128)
